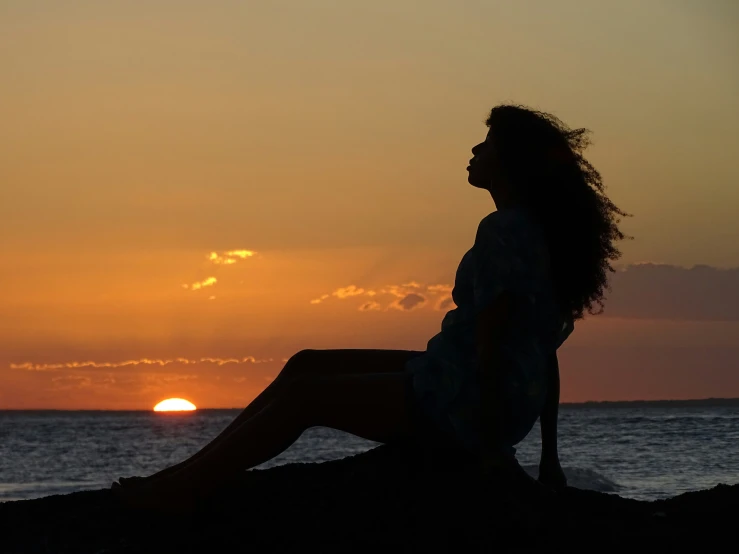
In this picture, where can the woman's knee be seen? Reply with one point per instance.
(300, 363)
(298, 391)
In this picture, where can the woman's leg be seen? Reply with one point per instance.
(308, 363)
(371, 406)
(325, 363)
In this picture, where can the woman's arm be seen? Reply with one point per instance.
(550, 471)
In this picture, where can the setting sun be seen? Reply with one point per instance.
(175, 405)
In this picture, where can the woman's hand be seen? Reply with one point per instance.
(551, 474)
(495, 463)
(508, 478)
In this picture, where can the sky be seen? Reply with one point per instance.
(191, 192)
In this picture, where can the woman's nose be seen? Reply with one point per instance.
(476, 149)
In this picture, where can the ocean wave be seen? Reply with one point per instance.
(23, 491)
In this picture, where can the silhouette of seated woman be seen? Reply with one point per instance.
(537, 263)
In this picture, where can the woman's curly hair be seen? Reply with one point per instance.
(542, 158)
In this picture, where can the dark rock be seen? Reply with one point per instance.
(392, 498)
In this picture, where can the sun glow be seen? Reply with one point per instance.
(175, 405)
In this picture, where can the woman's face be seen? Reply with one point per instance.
(484, 168)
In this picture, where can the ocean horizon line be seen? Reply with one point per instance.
(686, 402)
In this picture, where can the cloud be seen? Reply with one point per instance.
(344, 292)
(30, 366)
(440, 289)
(207, 282)
(348, 292)
(230, 257)
(67, 382)
(643, 291)
(94, 382)
(405, 297)
(138, 383)
(320, 299)
(153, 381)
(444, 303)
(409, 302)
(661, 291)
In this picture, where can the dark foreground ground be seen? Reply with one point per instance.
(388, 499)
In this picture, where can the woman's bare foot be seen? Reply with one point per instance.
(128, 481)
(166, 472)
(507, 475)
(551, 474)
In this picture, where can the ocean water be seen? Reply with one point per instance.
(635, 450)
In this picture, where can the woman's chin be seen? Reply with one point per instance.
(474, 182)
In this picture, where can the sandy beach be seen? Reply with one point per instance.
(393, 498)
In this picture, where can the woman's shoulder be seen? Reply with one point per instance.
(503, 225)
(508, 217)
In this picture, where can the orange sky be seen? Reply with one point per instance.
(143, 142)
